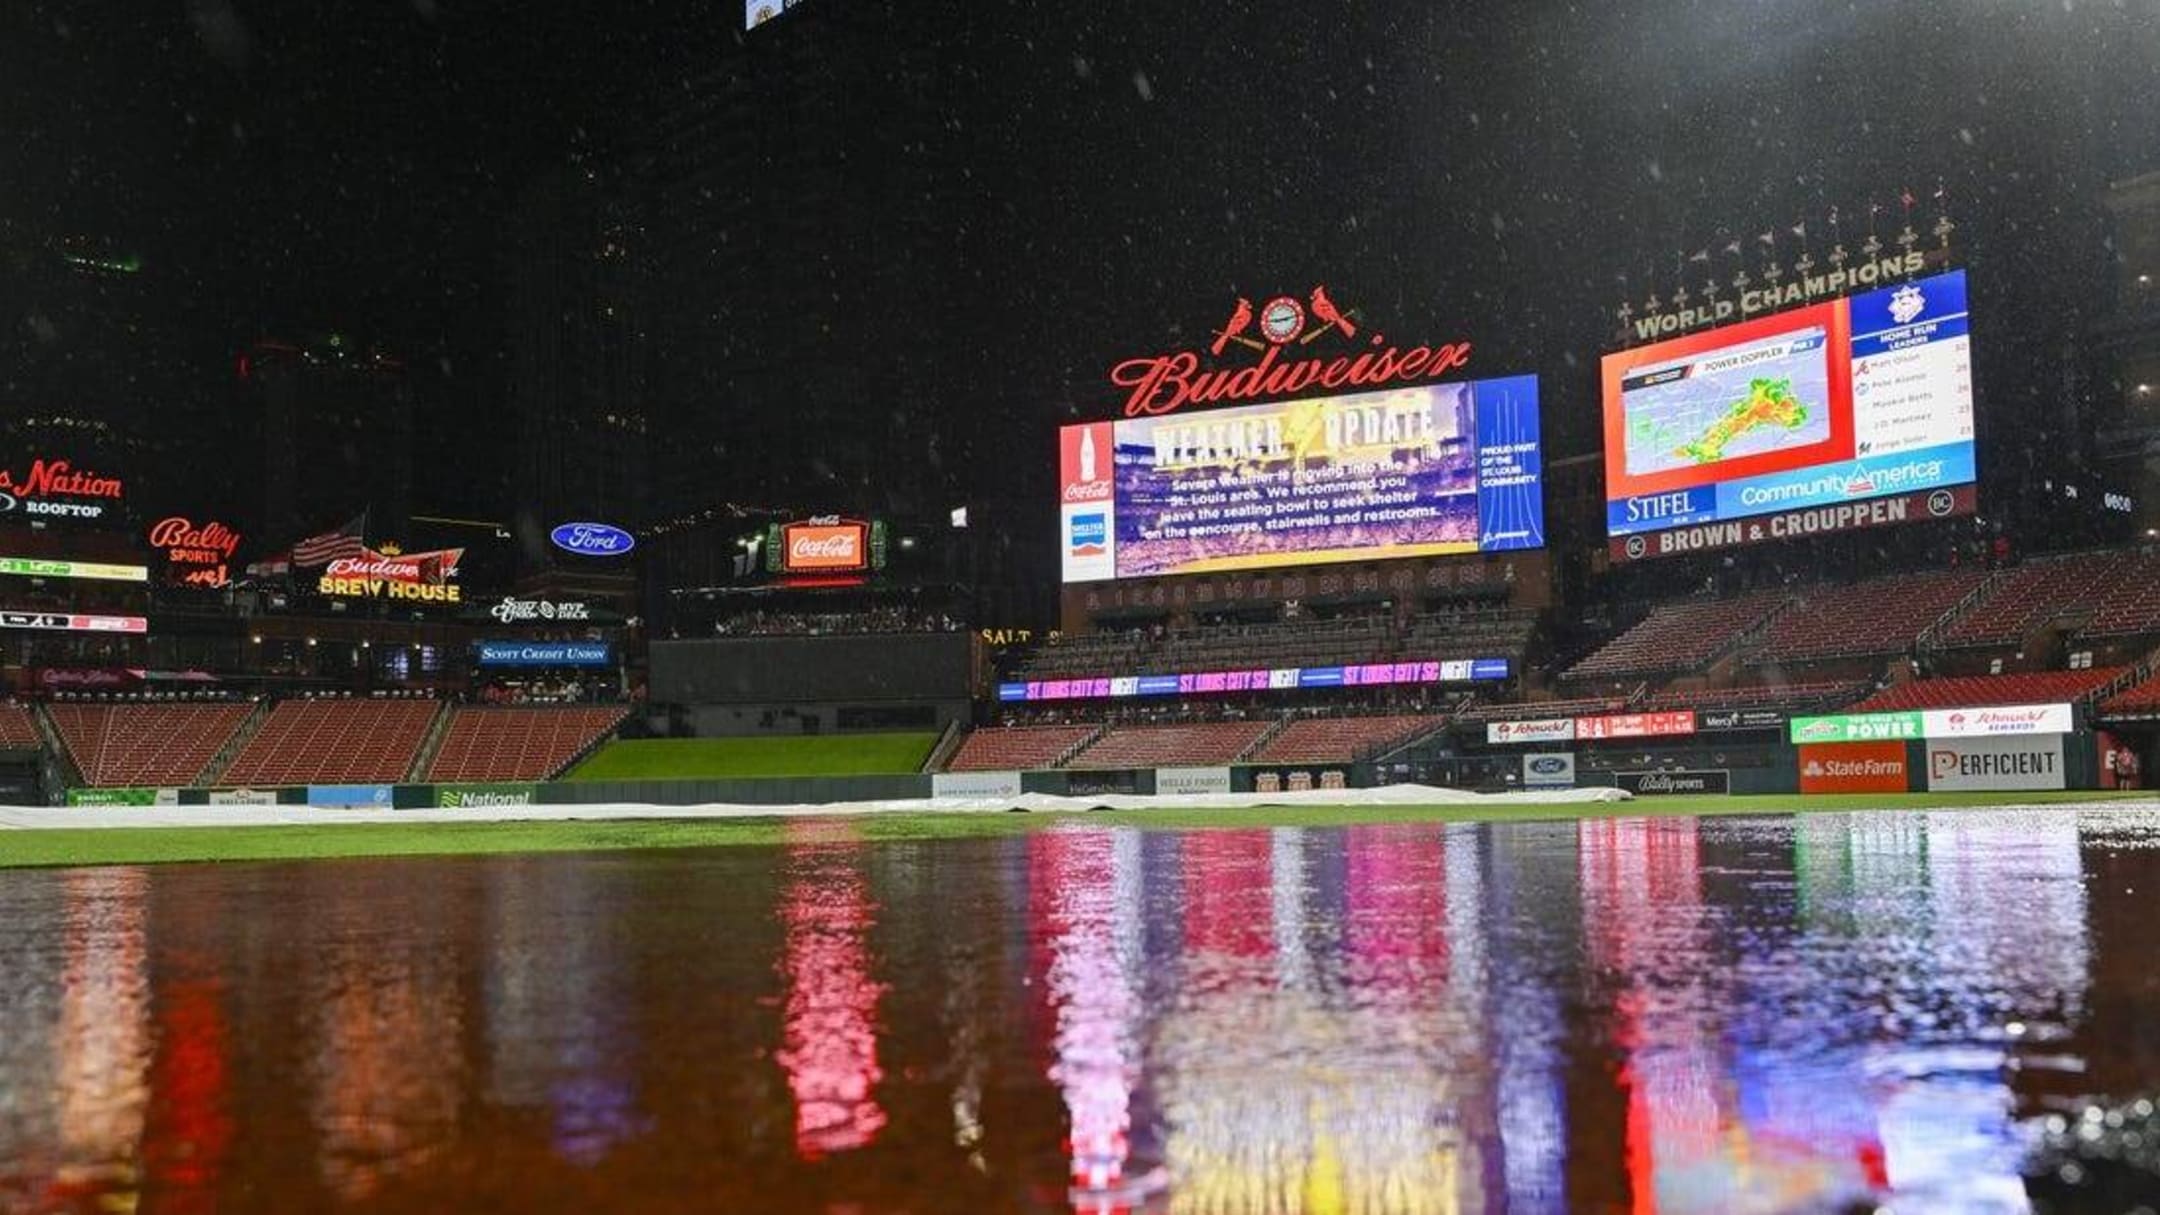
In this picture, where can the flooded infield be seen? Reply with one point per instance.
(1826, 1013)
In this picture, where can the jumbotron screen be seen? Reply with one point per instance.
(1848, 413)
(1407, 472)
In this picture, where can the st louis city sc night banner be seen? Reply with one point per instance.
(1405, 472)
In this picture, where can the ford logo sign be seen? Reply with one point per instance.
(592, 539)
(1546, 765)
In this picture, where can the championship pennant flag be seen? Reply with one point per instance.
(346, 541)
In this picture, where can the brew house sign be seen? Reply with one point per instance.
(1280, 332)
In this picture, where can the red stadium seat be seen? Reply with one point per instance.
(146, 744)
(1685, 636)
(2141, 700)
(17, 730)
(1017, 748)
(2043, 591)
(1875, 617)
(1207, 744)
(306, 742)
(1974, 691)
(1343, 739)
(521, 743)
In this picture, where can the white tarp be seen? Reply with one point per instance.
(34, 817)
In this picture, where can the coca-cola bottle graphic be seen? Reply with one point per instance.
(1087, 454)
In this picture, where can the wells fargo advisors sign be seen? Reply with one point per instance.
(57, 489)
(1279, 332)
(389, 574)
(196, 555)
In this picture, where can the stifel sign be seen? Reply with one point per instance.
(1165, 383)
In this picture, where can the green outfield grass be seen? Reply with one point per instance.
(113, 846)
(719, 758)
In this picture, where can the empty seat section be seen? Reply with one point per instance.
(325, 741)
(2141, 699)
(1016, 748)
(1974, 691)
(1170, 746)
(518, 743)
(17, 731)
(1879, 616)
(2132, 607)
(1682, 636)
(2037, 592)
(1790, 698)
(1343, 739)
(152, 744)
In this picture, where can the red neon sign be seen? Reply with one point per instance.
(199, 556)
(1164, 383)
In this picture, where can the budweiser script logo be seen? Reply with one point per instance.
(1163, 383)
(538, 609)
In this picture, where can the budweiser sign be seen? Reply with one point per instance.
(414, 577)
(839, 545)
(1280, 331)
(56, 487)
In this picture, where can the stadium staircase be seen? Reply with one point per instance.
(1931, 638)
(1274, 731)
(428, 747)
(241, 738)
(948, 742)
(56, 747)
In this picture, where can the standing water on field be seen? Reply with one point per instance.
(1761, 1014)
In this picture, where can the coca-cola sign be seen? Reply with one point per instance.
(196, 555)
(57, 489)
(592, 539)
(1280, 333)
(825, 546)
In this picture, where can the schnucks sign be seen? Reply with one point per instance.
(1994, 721)
(592, 539)
(57, 489)
(1280, 331)
(546, 654)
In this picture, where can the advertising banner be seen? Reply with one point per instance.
(196, 556)
(1636, 725)
(1961, 765)
(465, 797)
(123, 797)
(1679, 780)
(1856, 727)
(1277, 679)
(38, 567)
(371, 796)
(1409, 472)
(1187, 781)
(74, 622)
(545, 653)
(1998, 720)
(1543, 729)
(975, 784)
(1548, 770)
(243, 797)
(592, 539)
(1740, 719)
(1823, 407)
(56, 489)
(825, 546)
(391, 574)
(1854, 767)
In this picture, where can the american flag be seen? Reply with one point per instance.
(346, 541)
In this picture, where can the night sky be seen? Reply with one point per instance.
(1112, 174)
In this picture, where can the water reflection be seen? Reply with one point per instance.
(1669, 1016)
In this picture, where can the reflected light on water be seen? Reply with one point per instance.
(829, 1045)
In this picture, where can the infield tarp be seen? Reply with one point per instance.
(50, 817)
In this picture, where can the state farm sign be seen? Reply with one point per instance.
(1853, 767)
(821, 546)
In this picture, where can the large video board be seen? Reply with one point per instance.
(1406, 472)
(1847, 413)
